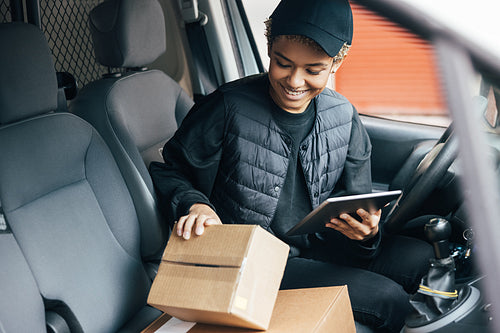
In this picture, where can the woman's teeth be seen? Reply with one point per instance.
(294, 92)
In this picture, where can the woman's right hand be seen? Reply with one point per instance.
(199, 216)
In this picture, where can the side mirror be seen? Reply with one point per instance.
(492, 105)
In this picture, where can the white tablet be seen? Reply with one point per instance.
(332, 207)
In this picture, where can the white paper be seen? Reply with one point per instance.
(174, 325)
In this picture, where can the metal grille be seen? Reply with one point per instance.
(5, 11)
(65, 23)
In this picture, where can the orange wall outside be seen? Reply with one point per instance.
(388, 70)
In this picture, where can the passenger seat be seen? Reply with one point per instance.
(138, 111)
(66, 204)
(20, 296)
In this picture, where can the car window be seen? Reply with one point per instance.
(389, 72)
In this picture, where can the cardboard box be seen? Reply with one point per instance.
(229, 276)
(314, 310)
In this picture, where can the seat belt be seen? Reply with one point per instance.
(202, 59)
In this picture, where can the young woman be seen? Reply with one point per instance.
(269, 148)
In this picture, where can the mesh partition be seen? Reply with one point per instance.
(5, 11)
(65, 23)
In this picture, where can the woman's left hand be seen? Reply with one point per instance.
(354, 229)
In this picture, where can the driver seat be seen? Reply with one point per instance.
(65, 202)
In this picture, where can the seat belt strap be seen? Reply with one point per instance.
(195, 21)
(202, 57)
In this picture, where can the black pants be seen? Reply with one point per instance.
(378, 289)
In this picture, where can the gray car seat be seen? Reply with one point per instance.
(18, 290)
(136, 112)
(66, 204)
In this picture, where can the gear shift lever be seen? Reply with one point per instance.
(438, 305)
(438, 231)
(436, 294)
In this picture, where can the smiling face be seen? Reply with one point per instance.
(297, 73)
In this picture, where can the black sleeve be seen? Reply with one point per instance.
(356, 177)
(191, 158)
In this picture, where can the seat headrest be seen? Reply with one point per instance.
(128, 33)
(28, 83)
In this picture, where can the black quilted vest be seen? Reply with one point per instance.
(256, 152)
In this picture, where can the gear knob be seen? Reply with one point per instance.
(438, 232)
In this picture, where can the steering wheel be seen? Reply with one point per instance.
(424, 180)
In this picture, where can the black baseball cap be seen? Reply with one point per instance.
(327, 22)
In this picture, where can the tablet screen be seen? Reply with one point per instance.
(333, 207)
